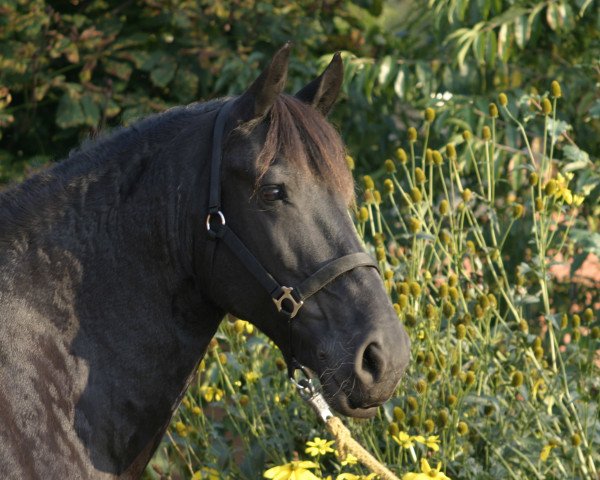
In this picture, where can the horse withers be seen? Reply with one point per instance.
(117, 265)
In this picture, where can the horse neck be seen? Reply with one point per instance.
(109, 235)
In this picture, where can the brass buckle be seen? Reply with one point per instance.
(287, 295)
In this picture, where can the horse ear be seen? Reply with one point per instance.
(260, 96)
(322, 92)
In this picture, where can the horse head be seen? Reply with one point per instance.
(283, 187)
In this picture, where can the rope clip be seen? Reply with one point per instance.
(309, 393)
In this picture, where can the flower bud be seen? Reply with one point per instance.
(533, 179)
(412, 403)
(442, 418)
(517, 379)
(539, 204)
(450, 151)
(575, 439)
(470, 247)
(244, 400)
(415, 195)
(451, 400)
(564, 321)
(576, 321)
(388, 186)
(503, 99)
(470, 378)
(576, 334)
(453, 280)
(448, 309)
(380, 253)
(555, 89)
(444, 207)
(393, 429)
(429, 115)
(462, 428)
(399, 414)
(466, 195)
(551, 187)
(455, 370)
(546, 107)
(445, 237)
(453, 292)
(414, 225)
(437, 158)
(429, 425)
(588, 315)
(461, 331)
(377, 196)
(421, 386)
(412, 134)
(538, 352)
(429, 311)
(350, 162)
(429, 156)
(518, 210)
(493, 109)
(410, 320)
(402, 301)
(466, 135)
(488, 410)
(419, 176)
(368, 182)
(389, 166)
(431, 375)
(415, 289)
(595, 333)
(486, 133)
(401, 155)
(363, 214)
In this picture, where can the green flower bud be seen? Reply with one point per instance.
(410, 320)
(420, 358)
(380, 253)
(429, 359)
(533, 179)
(403, 287)
(377, 197)
(444, 207)
(478, 311)
(431, 376)
(486, 133)
(397, 309)
(399, 414)
(413, 421)
(419, 176)
(517, 379)
(523, 326)
(537, 342)
(421, 386)
(518, 210)
(363, 214)
(429, 311)
(455, 370)
(429, 156)
(414, 225)
(429, 115)
(555, 89)
(443, 290)
(576, 334)
(453, 280)
(588, 315)
(393, 429)
(453, 292)
(389, 166)
(388, 186)
(437, 158)
(450, 151)
(350, 162)
(564, 321)
(461, 331)
(445, 237)
(470, 378)
(368, 182)
(492, 300)
(470, 247)
(369, 198)
(401, 155)
(575, 439)
(429, 425)
(466, 135)
(551, 187)
(442, 418)
(503, 99)
(466, 195)
(412, 134)
(415, 195)
(493, 109)
(576, 321)
(448, 309)
(546, 107)
(538, 352)
(484, 302)
(462, 428)
(412, 403)
(402, 301)
(539, 204)
(452, 400)
(595, 334)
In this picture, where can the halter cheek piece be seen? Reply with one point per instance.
(287, 300)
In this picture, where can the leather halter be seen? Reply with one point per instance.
(287, 300)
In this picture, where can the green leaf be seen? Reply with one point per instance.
(491, 48)
(69, 112)
(553, 16)
(504, 42)
(120, 70)
(522, 31)
(578, 158)
(162, 75)
(91, 110)
(399, 83)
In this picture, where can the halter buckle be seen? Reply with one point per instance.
(287, 295)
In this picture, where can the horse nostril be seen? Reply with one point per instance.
(372, 364)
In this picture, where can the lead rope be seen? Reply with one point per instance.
(346, 444)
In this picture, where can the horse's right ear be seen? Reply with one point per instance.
(323, 91)
(256, 102)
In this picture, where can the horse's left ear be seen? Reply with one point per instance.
(323, 91)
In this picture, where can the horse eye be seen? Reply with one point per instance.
(272, 193)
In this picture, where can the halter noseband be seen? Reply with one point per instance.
(287, 300)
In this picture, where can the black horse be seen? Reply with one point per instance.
(117, 265)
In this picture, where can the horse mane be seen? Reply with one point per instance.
(301, 135)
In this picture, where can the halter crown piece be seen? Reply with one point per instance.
(287, 300)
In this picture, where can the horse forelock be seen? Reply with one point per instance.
(302, 136)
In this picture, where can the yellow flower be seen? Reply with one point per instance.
(427, 473)
(251, 376)
(206, 474)
(181, 429)
(297, 470)
(545, 453)
(403, 439)
(319, 446)
(349, 460)
(211, 393)
(431, 441)
(352, 476)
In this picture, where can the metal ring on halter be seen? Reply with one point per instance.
(208, 218)
(310, 394)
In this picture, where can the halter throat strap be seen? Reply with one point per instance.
(287, 300)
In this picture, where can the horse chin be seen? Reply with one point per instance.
(341, 404)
